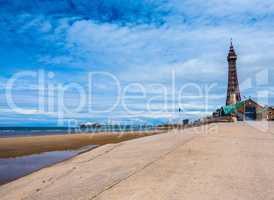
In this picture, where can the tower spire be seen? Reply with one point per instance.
(232, 54)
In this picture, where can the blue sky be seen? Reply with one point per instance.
(140, 43)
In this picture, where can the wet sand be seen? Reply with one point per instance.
(22, 146)
(219, 161)
(14, 168)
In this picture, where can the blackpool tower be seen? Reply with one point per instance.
(233, 89)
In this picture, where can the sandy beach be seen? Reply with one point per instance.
(219, 161)
(22, 146)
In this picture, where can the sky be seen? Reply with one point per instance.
(63, 62)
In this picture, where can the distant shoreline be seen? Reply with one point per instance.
(6, 132)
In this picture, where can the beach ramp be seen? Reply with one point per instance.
(218, 161)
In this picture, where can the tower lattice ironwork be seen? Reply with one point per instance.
(233, 89)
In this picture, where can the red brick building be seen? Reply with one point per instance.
(250, 110)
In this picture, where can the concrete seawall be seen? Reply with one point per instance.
(219, 161)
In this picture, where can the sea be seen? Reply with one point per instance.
(39, 131)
